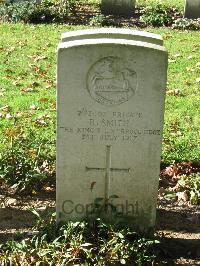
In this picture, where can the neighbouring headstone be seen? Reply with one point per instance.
(114, 33)
(22, 1)
(110, 104)
(192, 9)
(118, 7)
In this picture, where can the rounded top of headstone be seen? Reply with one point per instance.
(112, 42)
(114, 33)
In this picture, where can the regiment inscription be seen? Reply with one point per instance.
(120, 127)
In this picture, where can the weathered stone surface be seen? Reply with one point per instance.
(192, 9)
(110, 104)
(118, 7)
(113, 33)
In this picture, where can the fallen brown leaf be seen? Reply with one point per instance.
(161, 192)
(8, 116)
(34, 107)
(8, 70)
(11, 202)
(44, 100)
(29, 89)
(5, 109)
(53, 105)
(183, 196)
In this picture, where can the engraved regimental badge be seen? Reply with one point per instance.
(110, 81)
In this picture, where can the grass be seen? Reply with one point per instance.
(182, 114)
(28, 86)
(175, 3)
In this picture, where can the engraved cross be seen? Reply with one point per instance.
(108, 170)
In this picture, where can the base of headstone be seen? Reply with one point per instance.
(116, 7)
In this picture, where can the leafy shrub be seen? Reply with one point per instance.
(82, 243)
(34, 12)
(186, 24)
(157, 15)
(15, 12)
(53, 11)
(25, 163)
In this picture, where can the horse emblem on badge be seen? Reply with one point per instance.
(111, 82)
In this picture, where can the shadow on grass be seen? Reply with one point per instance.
(15, 224)
(175, 248)
(179, 236)
(177, 221)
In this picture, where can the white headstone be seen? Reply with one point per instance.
(118, 7)
(192, 9)
(110, 104)
(114, 33)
